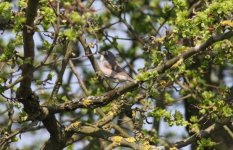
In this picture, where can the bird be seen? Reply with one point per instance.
(110, 68)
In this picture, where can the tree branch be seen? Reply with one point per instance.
(24, 93)
(104, 99)
(28, 32)
(82, 85)
(94, 131)
(62, 71)
(201, 134)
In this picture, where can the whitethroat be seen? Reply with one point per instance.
(110, 68)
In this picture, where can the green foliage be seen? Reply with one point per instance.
(147, 75)
(70, 147)
(50, 76)
(19, 20)
(77, 18)
(8, 52)
(48, 17)
(22, 3)
(158, 113)
(169, 99)
(194, 127)
(203, 21)
(203, 143)
(172, 119)
(5, 10)
(70, 34)
(214, 106)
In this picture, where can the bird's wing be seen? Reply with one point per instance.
(106, 64)
(121, 74)
(112, 69)
(106, 68)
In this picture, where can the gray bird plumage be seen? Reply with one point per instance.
(110, 68)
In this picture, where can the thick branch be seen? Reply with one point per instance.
(28, 32)
(57, 135)
(93, 101)
(94, 131)
(24, 92)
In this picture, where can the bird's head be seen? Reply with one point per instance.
(108, 55)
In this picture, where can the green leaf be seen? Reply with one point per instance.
(5, 10)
